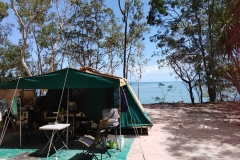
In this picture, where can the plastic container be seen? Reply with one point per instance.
(120, 143)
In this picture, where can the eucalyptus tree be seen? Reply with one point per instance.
(112, 46)
(137, 65)
(187, 26)
(185, 67)
(3, 10)
(86, 35)
(27, 13)
(4, 30)
(135, 28)
(9, 63)
(9, 53)
(48, 35)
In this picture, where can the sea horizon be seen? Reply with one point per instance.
(150, 90)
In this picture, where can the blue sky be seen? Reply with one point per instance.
(151, 72)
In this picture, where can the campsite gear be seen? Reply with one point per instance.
(120, 143)
(72, 127)
(55, 128)
(8, 118)
(112, 144)
(89, 142)
(94, 83)
(97, 88)
(15, 106)
(113, 116)
(8, 94)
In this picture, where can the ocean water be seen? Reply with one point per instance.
(150, 90)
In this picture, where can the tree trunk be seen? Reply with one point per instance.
(139, 90)
(26, 67)
(212, 94)
(23, 61)
(191, 93)
(125, 49)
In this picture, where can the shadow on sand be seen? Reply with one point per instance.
(200, 132)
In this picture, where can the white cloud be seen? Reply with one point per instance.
(150, 69)
(153, 74)
(154, 68)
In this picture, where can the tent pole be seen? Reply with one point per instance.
(119, 94)
(67, 116)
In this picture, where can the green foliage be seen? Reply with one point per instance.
(164, 92)
(10, 66)
(94, 35)
(77, 32)
(156, 7)
(188, 36)
(134, 30)
(27, 10)
(3, 10)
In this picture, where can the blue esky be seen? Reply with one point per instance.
(151, 71)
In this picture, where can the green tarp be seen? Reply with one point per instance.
(55, 80)
(96, 86)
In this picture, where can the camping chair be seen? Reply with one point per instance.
(89, 142)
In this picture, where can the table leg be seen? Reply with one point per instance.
(51, 143)
(48, 141)
(59, 137)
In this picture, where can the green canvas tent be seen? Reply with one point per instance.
(97, 88)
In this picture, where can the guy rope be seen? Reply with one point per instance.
(136, 132)
(7, 119)
(58, 112)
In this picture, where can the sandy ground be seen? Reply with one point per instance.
(183, 132)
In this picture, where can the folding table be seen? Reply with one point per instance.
(55, 128)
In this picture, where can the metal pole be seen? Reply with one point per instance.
(67, 116)
(119, 94)
(20, 123)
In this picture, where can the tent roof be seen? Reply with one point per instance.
(73, 78)
(84, 78)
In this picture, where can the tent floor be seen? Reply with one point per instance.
(10, 148)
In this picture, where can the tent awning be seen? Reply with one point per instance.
(71, 77)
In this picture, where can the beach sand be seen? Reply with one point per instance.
(209, 131)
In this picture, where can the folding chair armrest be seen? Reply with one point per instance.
(102, 131)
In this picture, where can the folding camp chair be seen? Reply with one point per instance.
(89, 142)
